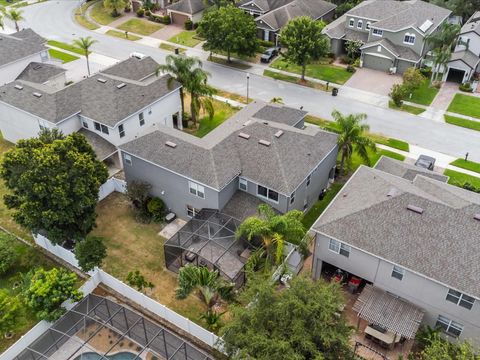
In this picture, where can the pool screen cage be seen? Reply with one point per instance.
(208, 239)
(97, 328)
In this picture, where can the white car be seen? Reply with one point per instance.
(138, 55)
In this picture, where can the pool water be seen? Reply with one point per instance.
(118, 356)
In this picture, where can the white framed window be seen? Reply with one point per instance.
(267, 193)
(351, 22)
(292, 198)
(367, 25)
(305, 204)
(242, 184)
(141, 119)
(377, 32)
(128, 159)
(101, 127)
(309, 180)
(191, 211)
(460, 299)
(339, 248)
(398, 272)
(409, 39)
(196, 189)
(85, 124)
(97, 126)
(121, 130)
(449, 326)
(359, 24)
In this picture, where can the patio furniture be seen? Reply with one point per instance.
(354, 284)
(245, 253)
(170, 217)
(383, 337)
(190, 256)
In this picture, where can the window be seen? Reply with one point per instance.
(273, 195)
(409, 39)
(377, 32)
(262, 191)
(292, 198)
(128, 159)
(398, 272)
(449, 326)
(359, 24)
(196, 189)
(97, 126)
(460, 299)
(267, 193)
(100, 127)
(339, 248)
(242, 184)
(367, 26)
(305, 204)
(191, 211)
(104, 129)
(141, 119)
(85, 124)
(309, 179)
(121, 131)
(351, 22)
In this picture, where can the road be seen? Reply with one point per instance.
(54, 20)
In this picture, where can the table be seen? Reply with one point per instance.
(387, 337)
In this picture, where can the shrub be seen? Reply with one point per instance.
(128, 8)
(140, 12)
(156, 208)
(137, 280)
(167, 20)
(148, 13)
(90, 252)
(351, 69)
(426, 71)
(8, 256)
(397, 94)
(188, 25)
(267, 44)
(466, 87)
(344, 59)
(10, 310)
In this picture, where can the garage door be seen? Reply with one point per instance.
(178, 19)
(377, 63)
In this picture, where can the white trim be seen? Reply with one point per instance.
(268, 191)
(379, 35)
(351, 22)
(380, 56)
(242, 181)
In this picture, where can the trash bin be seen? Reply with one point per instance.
(334, 91)
(177, 51)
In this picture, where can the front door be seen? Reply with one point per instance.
(175, 120)
(266, 35)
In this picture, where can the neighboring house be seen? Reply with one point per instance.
(465, 59)
(18, 50)
(45, 74)
(258, 151)
(115, 106)
(392, 32)
(270, 24)
(409, 233)
(184, 10)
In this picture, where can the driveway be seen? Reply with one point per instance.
(374, 81)
(167, 32)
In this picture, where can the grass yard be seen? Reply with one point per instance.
(467, 165)
(66, 58)
(171, 48)
(186, 38)
(233, 63)
(373, 157)
(68, 47)
(140, 26)
(466, 105)
(469, 124)
(101, 15)
(321, 71)
(425, 94)
(5, 3)
(458, 178)
(121, 35)
(407, 108)
(322, 123)
(82, 20)
(232, 96)
(293, 79)
(312, 215)
(135, 246)
(393, 143)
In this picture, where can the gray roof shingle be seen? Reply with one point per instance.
(20, 45)
(188, 6)
(467, 57)
(399, 51)
(406, 171)
(133, 68)
(265, 5)
(280, 114)
(40, 73)
(100, 146)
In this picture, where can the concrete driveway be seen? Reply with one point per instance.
(374, 81)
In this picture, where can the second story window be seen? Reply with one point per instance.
(141, 119)
(196, 189)
(409, 39)
(398, 272)
(359, 24)
(367, 26)
(460, 299)
(292, 198)
(339, 248)
(121, 130)
(351, 22)
(101, 127)
(450, 327)
(309, 179)
(377, 32)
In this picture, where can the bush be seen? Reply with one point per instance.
(148, 13)
(195, 26)
(128, 8)
(267, 44)
(188, 25)
(397, 94)
(426, 71)
(156, 208)
(140, 12)
(344, 59)
(466, 87)
(351, 69)
(90, 252)
(167, 20)
(8, 256)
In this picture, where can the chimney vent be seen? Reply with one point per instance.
(171, 144)
(244, 136)
(279, 133)
(264, 142)
(19, 87)
(37, 94)
(102, 80)
(120, 86)
(477, 216)
(415, 209)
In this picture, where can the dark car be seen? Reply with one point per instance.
(268, 55)
(426, 162)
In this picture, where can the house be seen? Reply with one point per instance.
(392, 33)
(18, 50)
(115, 106)
(270, 23)
(256, 153)
(465, 59)
(184, 10)
(414, 239)
(45, 74)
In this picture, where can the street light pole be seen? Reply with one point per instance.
(248, 82)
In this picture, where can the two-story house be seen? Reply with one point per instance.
(262, 151)
(411, 236)
(18, 50)
(392, 32)
(115, 106)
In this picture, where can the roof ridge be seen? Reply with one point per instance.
(282, 170)
(210, 151)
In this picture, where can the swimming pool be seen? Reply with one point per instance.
(118, 356)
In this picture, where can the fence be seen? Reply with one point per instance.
(111, 185)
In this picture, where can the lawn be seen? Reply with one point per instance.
(393, 143)
(373, 157)
(140, 26)
(320, 70)
(293, 79)
(233, 63)
(135, 246)
(312, 215)
(171, 48)
(186, 38)
(66, 58)
(466, 105)
(233, 96)
(322, 123)
(121, 35)
(407, 108)
(458, 178)
(82, 20)
(68, 47)
(467, 165)
(5, 3)
(101, 15)
(469, 124)
(424, 95)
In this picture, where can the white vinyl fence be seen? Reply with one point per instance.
(111, 185)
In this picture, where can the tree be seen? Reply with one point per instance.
(352, 137)
(437, 348)
(303, 38)
(137, 280)
(276, 100)
(10, 310)
(8, 255)
(85, 43)
(14, 15)
(115, 6)
(412, 79)
(200, 94)
(90, 252)
(53, 184)
(398, 94)
(2, 25)
(353, 48)
(229, 29)
(301, 322)
(48, 289)
(441, 57)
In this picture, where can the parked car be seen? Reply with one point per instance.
(426, 162)
(137, 55)
(269, 54)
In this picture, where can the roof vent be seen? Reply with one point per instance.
(101, 80)
(19, 87)
(37, 94)
(392, 192)
(246, 123)
(477, 216)
(278, 133)
(244, 136)
(171, 144)
(120, 86)
(415, 209)
(265, 122)
(264, 142)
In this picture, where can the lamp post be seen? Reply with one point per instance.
(248, 82)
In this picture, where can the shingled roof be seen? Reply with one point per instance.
(20, 45)
(406, 171)
(188, 6)
(40, 73)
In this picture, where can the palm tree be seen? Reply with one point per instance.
(115, 6)
(15, 16)
(276, 100)
(352, 137)
(1, 20)
(441, 57)
(85, 43)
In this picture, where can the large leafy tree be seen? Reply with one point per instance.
(90, 252)
(352, 137)
(53, 184)
(229, 29)
(46, 290)
(438, 348)
(303, 38)
(14, 15)
(85, 43)
(8, 255)
(296, 323)
(10, 310)
(115, 5)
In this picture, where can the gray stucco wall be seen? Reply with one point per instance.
(336, 47)
(403, 65)
(397, 39)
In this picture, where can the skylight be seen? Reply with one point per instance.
(426, 25)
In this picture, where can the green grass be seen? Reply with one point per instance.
(233, 63)
(317, 209)
(101, 15)
(121, 35)
(373, 158)
(82, 20)
(321, 71)
(424, 95)
(5, 3)
(68, 47)
(171, 48)
(469, 124)
(407, 108)
(458, 178)
(467, 165)
(140, 26)
(393, 143)
(465, 105)
(186, 38)
(293, 79)
(322, 123)
(66, 58)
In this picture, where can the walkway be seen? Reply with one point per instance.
(445, 96)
